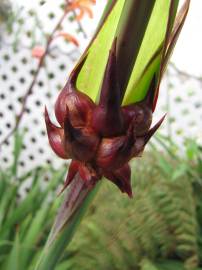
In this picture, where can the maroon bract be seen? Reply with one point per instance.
(101, 139)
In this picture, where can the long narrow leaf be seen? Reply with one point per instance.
(91, 74)
(153, 39)
(13, 260)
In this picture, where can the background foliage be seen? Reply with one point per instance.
(160, 228)
(162, 221)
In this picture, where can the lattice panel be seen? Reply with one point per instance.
(180, 97)
(17, 70)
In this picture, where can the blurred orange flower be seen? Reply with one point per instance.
(68, 37)
(83, 7)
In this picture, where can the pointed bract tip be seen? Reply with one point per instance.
(110, 92)
(46, 114)
(56, 137)
(73, 169)
(151, 132)
(121, 178)
(49, 124)
(107, 119)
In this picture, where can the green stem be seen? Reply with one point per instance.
(59, 240)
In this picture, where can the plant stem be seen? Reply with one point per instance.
(74, 207)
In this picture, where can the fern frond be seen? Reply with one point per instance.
(159, 223)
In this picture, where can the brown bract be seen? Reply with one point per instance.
(101, 138)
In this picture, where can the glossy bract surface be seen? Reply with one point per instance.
(101, 138)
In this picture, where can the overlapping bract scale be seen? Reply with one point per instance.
(101, 138)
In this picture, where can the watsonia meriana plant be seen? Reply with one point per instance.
(105, 109)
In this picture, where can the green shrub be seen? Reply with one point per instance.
(25, 221)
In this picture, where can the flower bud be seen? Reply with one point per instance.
(101, 139)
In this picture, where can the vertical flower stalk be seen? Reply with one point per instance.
(101, 138)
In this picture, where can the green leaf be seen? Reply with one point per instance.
(145, 41)
(13, 261)
(33, 234)
(3, 184)
(153, 40)
(91, 75)
(5, 204)
(24, 208)
(31, 202)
